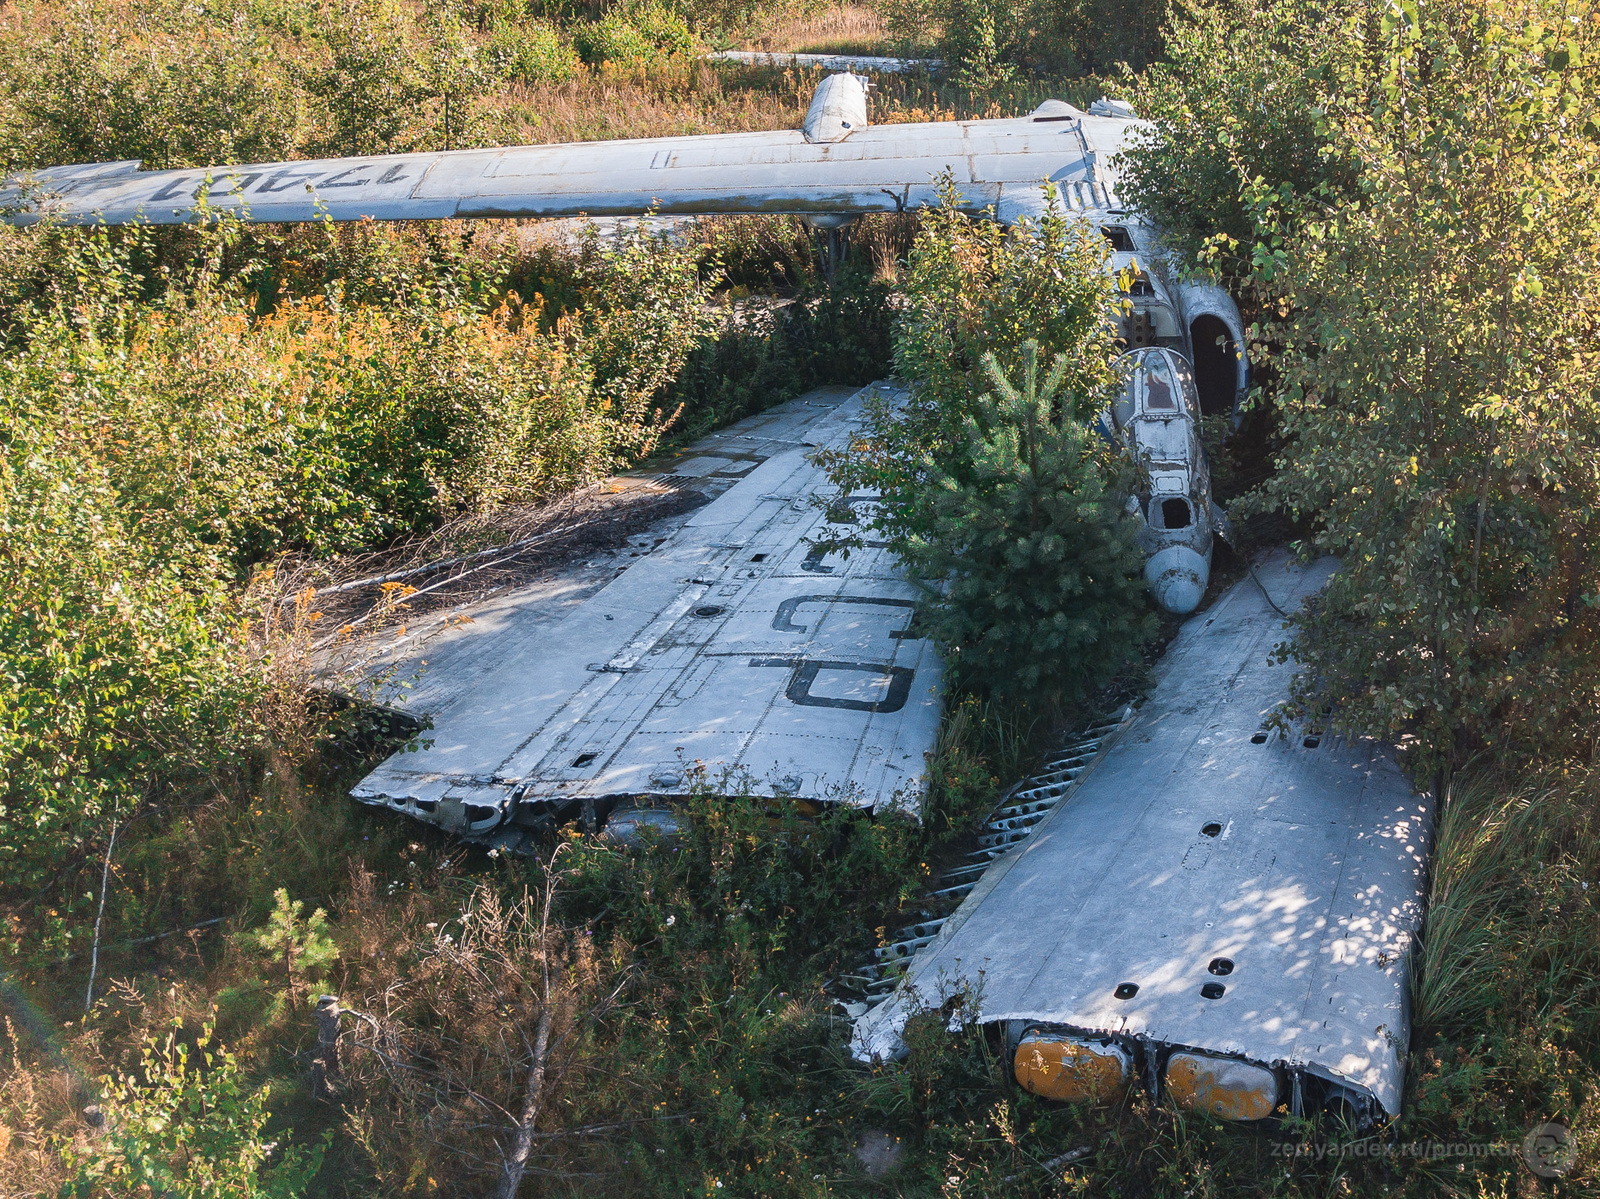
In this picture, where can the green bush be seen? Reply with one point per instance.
(634, 37)
(531, 53)
(763, 355)
(642, 310)
(189, 1129)
(1439, 401)
(120, 668)
(984, 43)
(1243, 96)
(369, 84)
(1042, 592)
(1006, 505)
(160, 442)
(975, 288)
(98, 85)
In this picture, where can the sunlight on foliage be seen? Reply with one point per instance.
(189, 1126)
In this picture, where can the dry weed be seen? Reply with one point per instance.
(834, 29)
(468, 1032)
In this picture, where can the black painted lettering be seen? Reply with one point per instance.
(333, 181)
(232, 185)
(283, 181)
(171, 190)
(393, 175)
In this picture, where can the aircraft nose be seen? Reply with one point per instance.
(1177, 576)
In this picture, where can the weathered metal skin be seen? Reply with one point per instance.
(1235, 908)
(740, 651)
(1156, 421)
(885, 168)
(838, 108)
(833, 169)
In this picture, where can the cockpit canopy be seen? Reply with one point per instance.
(1156, 383)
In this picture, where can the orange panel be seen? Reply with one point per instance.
(1222, 1087)
(1060, 1067)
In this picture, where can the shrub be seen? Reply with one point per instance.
(532, 53)
(1006, 505)
(1441, 406)
(642, 309)
(189, 1129)
(300, 945)
(369, 84)
(634, 37)
(1243, 95)
(120, 669)
(1042, 594)
(974, 288)
(156, 450)
(983, 43)
(98, 86)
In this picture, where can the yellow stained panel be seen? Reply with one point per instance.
(1056, 1066)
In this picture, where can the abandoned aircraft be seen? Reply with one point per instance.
(1156, 421)
(1278, 877)
(1277, 882)
(833, 169)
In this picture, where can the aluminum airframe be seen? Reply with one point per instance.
(835, 168)
(1278, 880)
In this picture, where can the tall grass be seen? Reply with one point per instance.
(1513, 905)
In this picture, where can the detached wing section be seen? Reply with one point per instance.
(1212, 888)
(881, 168)
(740, 648)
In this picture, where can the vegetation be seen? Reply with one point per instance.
(192, 1129)
(993, 488)
(987, 43)
(1401, 197)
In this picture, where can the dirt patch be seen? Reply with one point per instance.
(880, 1153)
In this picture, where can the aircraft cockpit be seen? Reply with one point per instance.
(1155, 420)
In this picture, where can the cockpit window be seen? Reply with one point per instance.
(1122, 408)
(1158, 394)
(1160, 390)
(1119, 238)
(1158, 380)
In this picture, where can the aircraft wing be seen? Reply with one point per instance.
(740, 647)
(1293, 867)
(875, 168)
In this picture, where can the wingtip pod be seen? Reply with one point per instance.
(838, 108)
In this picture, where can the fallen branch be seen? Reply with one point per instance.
(94, 953)
(412, 572)
(1056, 1164)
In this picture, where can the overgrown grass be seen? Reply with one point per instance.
(832, 29)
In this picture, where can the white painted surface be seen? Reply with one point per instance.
(1313, 887)
(838, 109)
(792, 669)
(882, 168)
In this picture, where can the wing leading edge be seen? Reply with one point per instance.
(879, 168)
